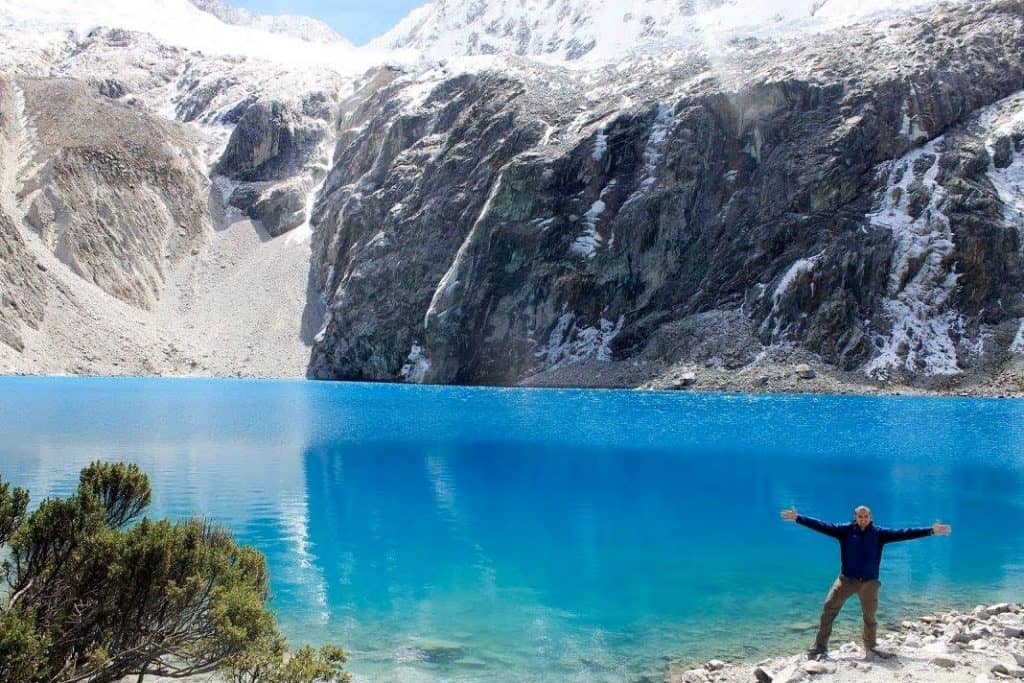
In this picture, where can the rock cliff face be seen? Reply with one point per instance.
(850, 199)
(116, 194)
(845, 194)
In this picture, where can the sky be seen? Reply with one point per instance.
(356, 20)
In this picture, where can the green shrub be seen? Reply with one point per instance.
(91, 595)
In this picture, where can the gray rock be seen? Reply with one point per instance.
(683, 380)
(944, 662)
(115, 190)
(804, 371)
(270, 142)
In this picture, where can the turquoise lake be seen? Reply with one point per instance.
(470, 534)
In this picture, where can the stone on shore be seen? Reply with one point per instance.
(804, 371)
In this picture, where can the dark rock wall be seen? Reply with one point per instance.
(457, 244)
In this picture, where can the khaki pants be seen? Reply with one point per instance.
(842, 589)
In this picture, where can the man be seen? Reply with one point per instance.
(860, 549)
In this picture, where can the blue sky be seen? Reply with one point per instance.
(357, 20)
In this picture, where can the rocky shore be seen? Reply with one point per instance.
(983, 645)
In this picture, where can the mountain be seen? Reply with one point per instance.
(567, 30)
(832, 186)
(195, 26)
(304, 28)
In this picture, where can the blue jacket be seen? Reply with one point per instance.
(861, 551)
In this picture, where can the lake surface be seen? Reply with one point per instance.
(468, 534)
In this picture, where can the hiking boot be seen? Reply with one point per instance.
(878, 653)
(817, 652)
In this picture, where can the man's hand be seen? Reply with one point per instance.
(790, 515)
(940, 529)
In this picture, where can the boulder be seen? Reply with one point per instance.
(804, 371)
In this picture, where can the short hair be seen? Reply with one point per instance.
(860, 508)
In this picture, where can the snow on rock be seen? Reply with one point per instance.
(1005, 145)
(569, 343)
(654, 149)
(571, 30)
(921, 279)
(416, 366)
(303, 28)
(600, 145)
(587, 244)
(177, 23)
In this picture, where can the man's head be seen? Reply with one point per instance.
(862, 516)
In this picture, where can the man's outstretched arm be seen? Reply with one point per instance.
(826, 528)
(908, 534)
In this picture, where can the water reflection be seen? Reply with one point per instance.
(460, 533)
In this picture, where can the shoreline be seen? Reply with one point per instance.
(719, 388)
(980, 645)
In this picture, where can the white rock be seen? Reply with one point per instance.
(715, 665)
(862, 666)
(791, 673)
(1019, 657)
(982, 678)
(912, 641)
(695, 676)
(813, 667)
(1008, 672)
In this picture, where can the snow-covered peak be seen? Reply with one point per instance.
(605, 29)
(304, 28)
(176, 23)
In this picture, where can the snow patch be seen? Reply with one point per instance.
(588, 31)
(798, 268)
(416, 366)
(600, 145)
(1017, 346)
(786, 282)
(448, 281)
(653, 150)
(1006, 119)
(587, 244)
(179, 23)
(921, 280)
(909, 128)
(568, 344)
